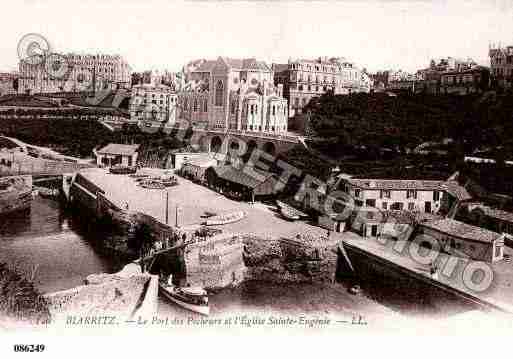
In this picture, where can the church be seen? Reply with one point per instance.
(235, 95)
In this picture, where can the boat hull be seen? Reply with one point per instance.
(202, 309)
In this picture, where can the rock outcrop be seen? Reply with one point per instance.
(284, 260)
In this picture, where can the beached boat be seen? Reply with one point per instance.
(192, 298)
(225, 218)
(47, 192)
(290, 213)
(15, 195)
(151, 184)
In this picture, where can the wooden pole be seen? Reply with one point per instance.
(167, 207)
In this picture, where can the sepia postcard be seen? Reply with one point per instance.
(192, 178)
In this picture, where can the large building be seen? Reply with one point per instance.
(304, 79)
(429, 80)
(8, 83)
(233, 94)
(74, 73)
(153, 105)
(501, 62)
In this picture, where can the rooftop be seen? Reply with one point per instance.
(497, 213)
(119, 149)
(457, 190)
(393, 184)
(462, 230)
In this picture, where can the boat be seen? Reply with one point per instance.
(225, 218)
(151, 184)
(47, 192)
(290, 216)
(15, 194)
(290, 213)
(194, 299)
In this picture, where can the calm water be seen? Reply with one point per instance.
(54, 242)
(65, 250)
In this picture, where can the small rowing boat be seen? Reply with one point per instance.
(192, 298)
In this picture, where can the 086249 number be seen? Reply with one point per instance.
(29, 348)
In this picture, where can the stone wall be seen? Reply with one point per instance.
(215, 263)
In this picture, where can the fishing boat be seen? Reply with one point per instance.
(151, 184)
(15, 195)
(225, 218)
(290, 213)
(192, 298)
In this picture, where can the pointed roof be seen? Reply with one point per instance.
(246, 64)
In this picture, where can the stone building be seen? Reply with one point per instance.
(233, 94)
(74, 73)
(304, 79)
(8, 83)
(501, 62)
(473, 80)
(429, 80)
(153, 105)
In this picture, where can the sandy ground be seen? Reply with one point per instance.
(193, 200)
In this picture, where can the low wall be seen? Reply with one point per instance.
(127, 294)
(405, 290)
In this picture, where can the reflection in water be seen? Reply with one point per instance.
(55, 242)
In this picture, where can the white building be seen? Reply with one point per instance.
(153, 105)
(234, 94)
(117, 154)
(385, 194)
(74, 73)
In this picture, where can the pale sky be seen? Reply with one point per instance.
(165, 34)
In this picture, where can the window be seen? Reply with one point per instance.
(357, 192)
(498, 251)
(397, 206)
(274, 110)
(384, 193)
(252, 109)
(411, 193)
(384, 205)
(358, 203)
(195, 105)
(219, 93)
(411, 206)
(370, 203)
(436, 195)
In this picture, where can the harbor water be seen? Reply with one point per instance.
(64, 249)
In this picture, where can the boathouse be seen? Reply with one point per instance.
(117, 154)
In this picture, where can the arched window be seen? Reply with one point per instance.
(274, 110)
(195, 105)
(205, 106)
(219, 93)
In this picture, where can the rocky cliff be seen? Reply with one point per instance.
(284, 260)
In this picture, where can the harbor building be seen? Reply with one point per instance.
(304, 79)
(74, 73)
(153, 105)
(234, 95)
(117, 154)
(465, 240)
(385, 194)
